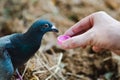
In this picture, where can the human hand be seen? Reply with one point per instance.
(98, 29)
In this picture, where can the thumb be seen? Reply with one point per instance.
(79, 40)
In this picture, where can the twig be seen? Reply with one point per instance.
(57, 68)
(25, 69)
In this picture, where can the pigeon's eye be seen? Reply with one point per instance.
(46, 26)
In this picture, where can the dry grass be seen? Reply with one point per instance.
(49, 65)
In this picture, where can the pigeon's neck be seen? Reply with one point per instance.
(33, 37)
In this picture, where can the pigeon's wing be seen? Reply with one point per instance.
(5, 40)
(6, 67)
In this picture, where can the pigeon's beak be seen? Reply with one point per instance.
(54, 29)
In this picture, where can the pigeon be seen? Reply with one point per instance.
(16, 49)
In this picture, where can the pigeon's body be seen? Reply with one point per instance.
(16, 49)
(20, 46)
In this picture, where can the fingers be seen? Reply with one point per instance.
(100, 25)
(88, 22)
(79, 41)
(80, 27)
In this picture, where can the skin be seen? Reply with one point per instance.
(98, 29)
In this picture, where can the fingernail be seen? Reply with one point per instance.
(61, 39)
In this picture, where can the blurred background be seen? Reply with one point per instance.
(51, 62)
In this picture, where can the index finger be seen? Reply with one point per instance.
(81, 26)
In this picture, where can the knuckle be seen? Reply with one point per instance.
(99, 13)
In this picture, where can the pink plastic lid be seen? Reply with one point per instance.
(62, 38)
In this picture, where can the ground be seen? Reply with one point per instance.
(51, 62)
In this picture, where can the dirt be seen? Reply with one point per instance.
(51, 62)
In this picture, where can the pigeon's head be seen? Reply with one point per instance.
(43, 26)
